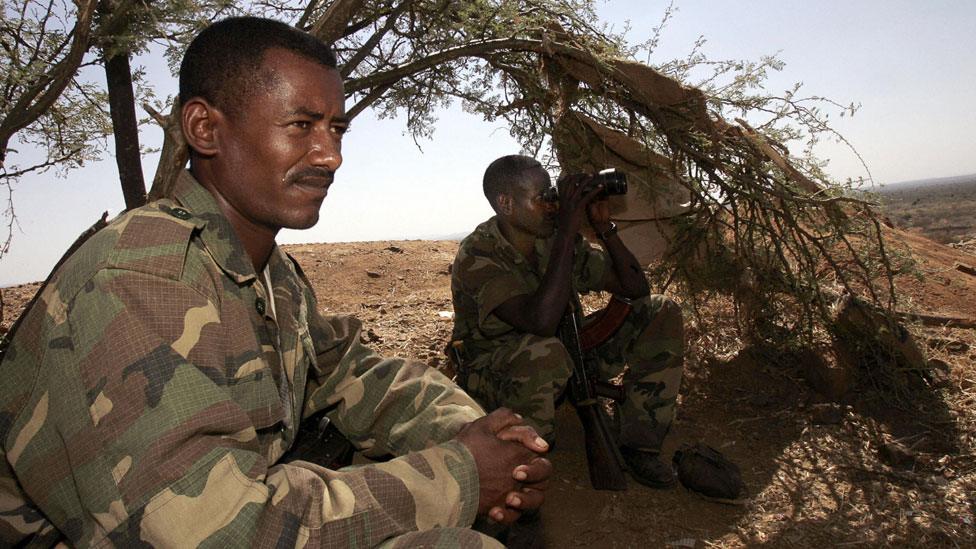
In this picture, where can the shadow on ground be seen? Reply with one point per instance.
(818, 473)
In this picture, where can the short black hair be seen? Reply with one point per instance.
(222, 63)
(505, 173)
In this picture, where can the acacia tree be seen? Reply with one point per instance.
(53, 105)
(765, 226)
(759, 223)
(43, 45)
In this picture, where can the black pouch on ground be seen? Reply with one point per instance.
(705, 470)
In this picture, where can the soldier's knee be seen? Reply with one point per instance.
(549, 354)
(671, 312)
(667, 319)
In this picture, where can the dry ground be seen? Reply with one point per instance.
(814, 470)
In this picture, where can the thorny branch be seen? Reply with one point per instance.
(761, 224)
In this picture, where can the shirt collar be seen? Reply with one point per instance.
(217, 233)
(505, 249)
(502, 245)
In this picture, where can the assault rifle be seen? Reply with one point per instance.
(319, 441)
(602, 454)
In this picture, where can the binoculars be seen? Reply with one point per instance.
(613, 180)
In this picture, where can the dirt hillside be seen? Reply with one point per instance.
(818, 473)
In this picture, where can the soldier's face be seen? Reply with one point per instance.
(530, 211)
(280, 154)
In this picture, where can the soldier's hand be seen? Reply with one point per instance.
(576, 192)
(533, 476)
(502, 458)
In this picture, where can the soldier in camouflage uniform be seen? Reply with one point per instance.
(150, 393)
(512, 281)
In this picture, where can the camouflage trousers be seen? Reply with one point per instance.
(528, 373)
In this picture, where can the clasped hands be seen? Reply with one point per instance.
(511, 470)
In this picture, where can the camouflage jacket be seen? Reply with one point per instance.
(151, 391)
(489, 271)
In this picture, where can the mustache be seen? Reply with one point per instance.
(312, 172)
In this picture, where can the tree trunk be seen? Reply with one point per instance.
(125, 127)
(175, 153)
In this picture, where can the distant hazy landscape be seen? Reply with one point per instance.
(943, 210)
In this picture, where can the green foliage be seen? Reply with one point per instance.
(35, 36)
(53, 111)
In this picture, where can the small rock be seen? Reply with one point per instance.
(394, 249)
(831, 381)
(828, 413)
(373, 274)
(897, 455)
(938, 372)
(370, 337)
(964, 268)
(957, 347)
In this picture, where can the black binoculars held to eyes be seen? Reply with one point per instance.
(613, 180)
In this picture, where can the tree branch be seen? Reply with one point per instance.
(332, 24)
(477, 49)
(350, 65)
(38, 98)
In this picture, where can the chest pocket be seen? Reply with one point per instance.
(257, 395)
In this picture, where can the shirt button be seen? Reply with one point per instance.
(180, 213)
(259, 305)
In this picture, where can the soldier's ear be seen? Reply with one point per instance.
(200, 120)
(505, 203)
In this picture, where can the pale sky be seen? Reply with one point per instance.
(910, 64)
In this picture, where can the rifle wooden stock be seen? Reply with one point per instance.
(604, 323)
(602, 455)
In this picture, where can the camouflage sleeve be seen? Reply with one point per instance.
(127, 436)
(592, 269)
(489, 283)
(384, 405)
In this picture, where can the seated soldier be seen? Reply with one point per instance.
(152, 392)
(513, 280)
